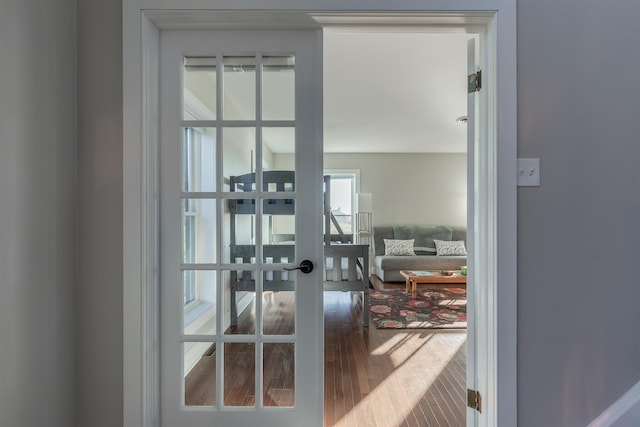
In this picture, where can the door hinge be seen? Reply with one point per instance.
(474, 82)
(474, 400)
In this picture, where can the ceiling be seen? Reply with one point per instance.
(392, 82)
(394, 92)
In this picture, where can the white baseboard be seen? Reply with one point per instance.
(196, 350)
(624, 412)
(242, 303)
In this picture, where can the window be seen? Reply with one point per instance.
(342, 201)
(198, 212)
(191, 143)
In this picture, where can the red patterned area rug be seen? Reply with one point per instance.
(433, 309)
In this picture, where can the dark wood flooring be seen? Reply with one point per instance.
(389, 378)
(373, 377)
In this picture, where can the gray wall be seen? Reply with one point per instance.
(100, 213)
(408, 188)
(579, 233)
(37, 212)
(411, 188)
(578, 238)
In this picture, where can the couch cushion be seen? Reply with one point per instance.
(388, 267)
(422, 234)
(379, 234)
(419, 262)
(459, 233)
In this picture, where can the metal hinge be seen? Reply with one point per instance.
(474, 82)
(474, 400)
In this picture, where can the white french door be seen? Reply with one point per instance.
(240, 206)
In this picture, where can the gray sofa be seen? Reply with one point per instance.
(388, 267)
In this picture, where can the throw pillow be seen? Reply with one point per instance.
(447, 248)
(398, 247)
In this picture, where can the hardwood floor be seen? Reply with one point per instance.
(373, 377)
(389, 378)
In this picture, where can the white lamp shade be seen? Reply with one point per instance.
(365, 202)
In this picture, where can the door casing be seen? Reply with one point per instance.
(143, 21)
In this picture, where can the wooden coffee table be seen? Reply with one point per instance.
(415, 278)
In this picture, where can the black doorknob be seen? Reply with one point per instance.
(305, 266)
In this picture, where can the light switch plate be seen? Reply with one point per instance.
(528, 172)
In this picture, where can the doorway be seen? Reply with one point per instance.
(141, 283)
(391, 100)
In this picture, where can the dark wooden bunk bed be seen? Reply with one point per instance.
(351, 259)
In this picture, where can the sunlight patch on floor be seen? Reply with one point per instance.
(407, 372)
(394, 349)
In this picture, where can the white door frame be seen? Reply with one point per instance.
(496, 224)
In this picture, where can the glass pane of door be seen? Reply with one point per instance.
(239, 87)
(199, 88)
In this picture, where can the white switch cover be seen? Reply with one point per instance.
(528, 172)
